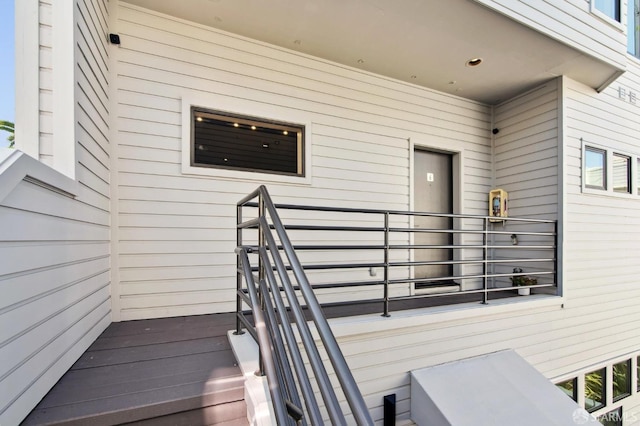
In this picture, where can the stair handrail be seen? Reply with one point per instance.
(266, 327)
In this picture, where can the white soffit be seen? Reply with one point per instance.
(423, 42)
(500, 388)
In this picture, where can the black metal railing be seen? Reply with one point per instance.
(421, 255)
(480, 255)
(281, 354)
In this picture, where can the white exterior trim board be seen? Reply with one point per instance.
(15, 166)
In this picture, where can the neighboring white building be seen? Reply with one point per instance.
(106, 217)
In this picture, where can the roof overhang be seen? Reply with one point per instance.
(424, 42)
(500, 388)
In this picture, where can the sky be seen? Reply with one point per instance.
(7, 65)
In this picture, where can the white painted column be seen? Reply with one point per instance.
(64, 123)
(27, 67)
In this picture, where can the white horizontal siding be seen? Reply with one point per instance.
(55, 282)
(601, 237)
(360, 129)
(55, 276)
(597, 319)
(599, 316)
(92, 101)
(526, 152)
(570, 22)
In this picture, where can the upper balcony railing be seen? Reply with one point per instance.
(419, 255)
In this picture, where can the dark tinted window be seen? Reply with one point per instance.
(243, 143)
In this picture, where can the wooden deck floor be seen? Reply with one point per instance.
(168, 371)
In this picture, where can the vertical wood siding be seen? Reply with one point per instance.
(55, 276)
(175, 233)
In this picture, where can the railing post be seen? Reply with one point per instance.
(555, 256)
(386, 265)
(261, 273)
(238, 273)
(485, 258)
(261, 240)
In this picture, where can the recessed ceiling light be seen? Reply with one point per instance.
(199, 118)
(474, 62)
(236, 125)
(253, 127)
(285, 133)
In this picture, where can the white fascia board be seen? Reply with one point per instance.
(16, 166)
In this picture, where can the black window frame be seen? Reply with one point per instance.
(603, 152)
(627, 391)
(612, 418)
(638, 373)
(617, 10)
(264, 127)
(574, 388)
(637, 175)
(603, 400)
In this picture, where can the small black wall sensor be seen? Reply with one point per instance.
(389, 402)
(114, 38)
(495, 131)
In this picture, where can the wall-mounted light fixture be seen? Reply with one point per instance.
(514, 239)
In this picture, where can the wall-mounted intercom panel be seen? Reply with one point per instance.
(498, 204)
